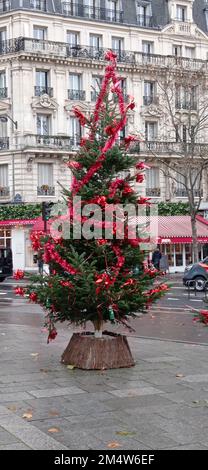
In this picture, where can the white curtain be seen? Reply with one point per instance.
(153, 178)
(74, 82)
(45, 174)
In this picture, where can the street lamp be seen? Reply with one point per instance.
(4, 118)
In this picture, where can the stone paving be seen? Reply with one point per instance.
(161, 403)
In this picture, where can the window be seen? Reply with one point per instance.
(3, 89)
(72, 38)
(39, 33)
(91, 8)
(74, 131)
(42, 83)
(153, 182)
(5, 237)
(149, 92)
(177, 51)
(186, 97)
(151, 130)
(147, 47)
(118, 46)
(45, 179)
(3, 37)
(3, 177)
(190, 52)
(144, 14)
(113, 10)
(181, 13)
(3, 128)
(75, 91)
(43, 124)
(96, 84)
(71, 8)
(180, 188)
(38, 5)
(95, 41)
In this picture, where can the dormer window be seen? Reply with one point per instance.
(144, 13)
(181, 13)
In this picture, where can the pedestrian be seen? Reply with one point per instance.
(164, 265)
(156, 258)
(40, 262)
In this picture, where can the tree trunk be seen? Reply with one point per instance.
(194, 237)
(85, 351)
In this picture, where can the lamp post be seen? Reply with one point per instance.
(5, 117)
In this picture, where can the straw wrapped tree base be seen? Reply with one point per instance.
(85, 351)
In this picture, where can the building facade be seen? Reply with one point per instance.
(52, 56)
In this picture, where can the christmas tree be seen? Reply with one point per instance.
(98, 278)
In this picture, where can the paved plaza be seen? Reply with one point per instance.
(161, 403)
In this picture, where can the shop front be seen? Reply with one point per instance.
(15, 234)
(175, 240)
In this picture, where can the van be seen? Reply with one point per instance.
(6, 265)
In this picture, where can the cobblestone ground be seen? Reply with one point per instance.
(161, 403)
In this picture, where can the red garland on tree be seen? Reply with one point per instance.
(100, 279)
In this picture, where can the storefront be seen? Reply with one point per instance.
(16, 235)
(175, 240)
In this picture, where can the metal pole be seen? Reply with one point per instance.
(45, 226)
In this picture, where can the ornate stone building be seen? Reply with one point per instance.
(52, 57)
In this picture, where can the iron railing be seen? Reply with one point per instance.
(64, 50)
(150, 99)
(186, 104)
(91, 12)
(153, 192)
(145, 21)
(4, 143)
(76, 95)
(45, 190)
(182, 192)
(49, 141)
(3, 93)
(43, 90)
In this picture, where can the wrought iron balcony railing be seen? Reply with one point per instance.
(4, 191)
(182, 192)
(49, 141)
(153, 192)
(150, 99)
(145, 21)
(76, 95)
(38, 5)
(45, 190)
(43, 90)
(3, 93)
(63, 50)
(186, 104)
(91, 12)
(4, 143)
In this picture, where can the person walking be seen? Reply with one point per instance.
(156, 258)
(40, 262)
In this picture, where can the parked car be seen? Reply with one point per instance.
(6, 265)
(198, 273)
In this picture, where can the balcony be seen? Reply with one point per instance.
(40, 5)
(4, 192)
(45, 190)
(4, 143)
(153, 192)
(145, 21)
(150, 99)
(92, 13)
(3, 93)
(182, 192)
(61, 143)
(43, 90)
(190, 105)
(78, 95)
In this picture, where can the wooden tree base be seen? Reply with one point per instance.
(84, 351)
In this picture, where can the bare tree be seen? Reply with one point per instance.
(182, 149)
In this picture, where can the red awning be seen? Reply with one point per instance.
(13, 222)
(177, 229)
